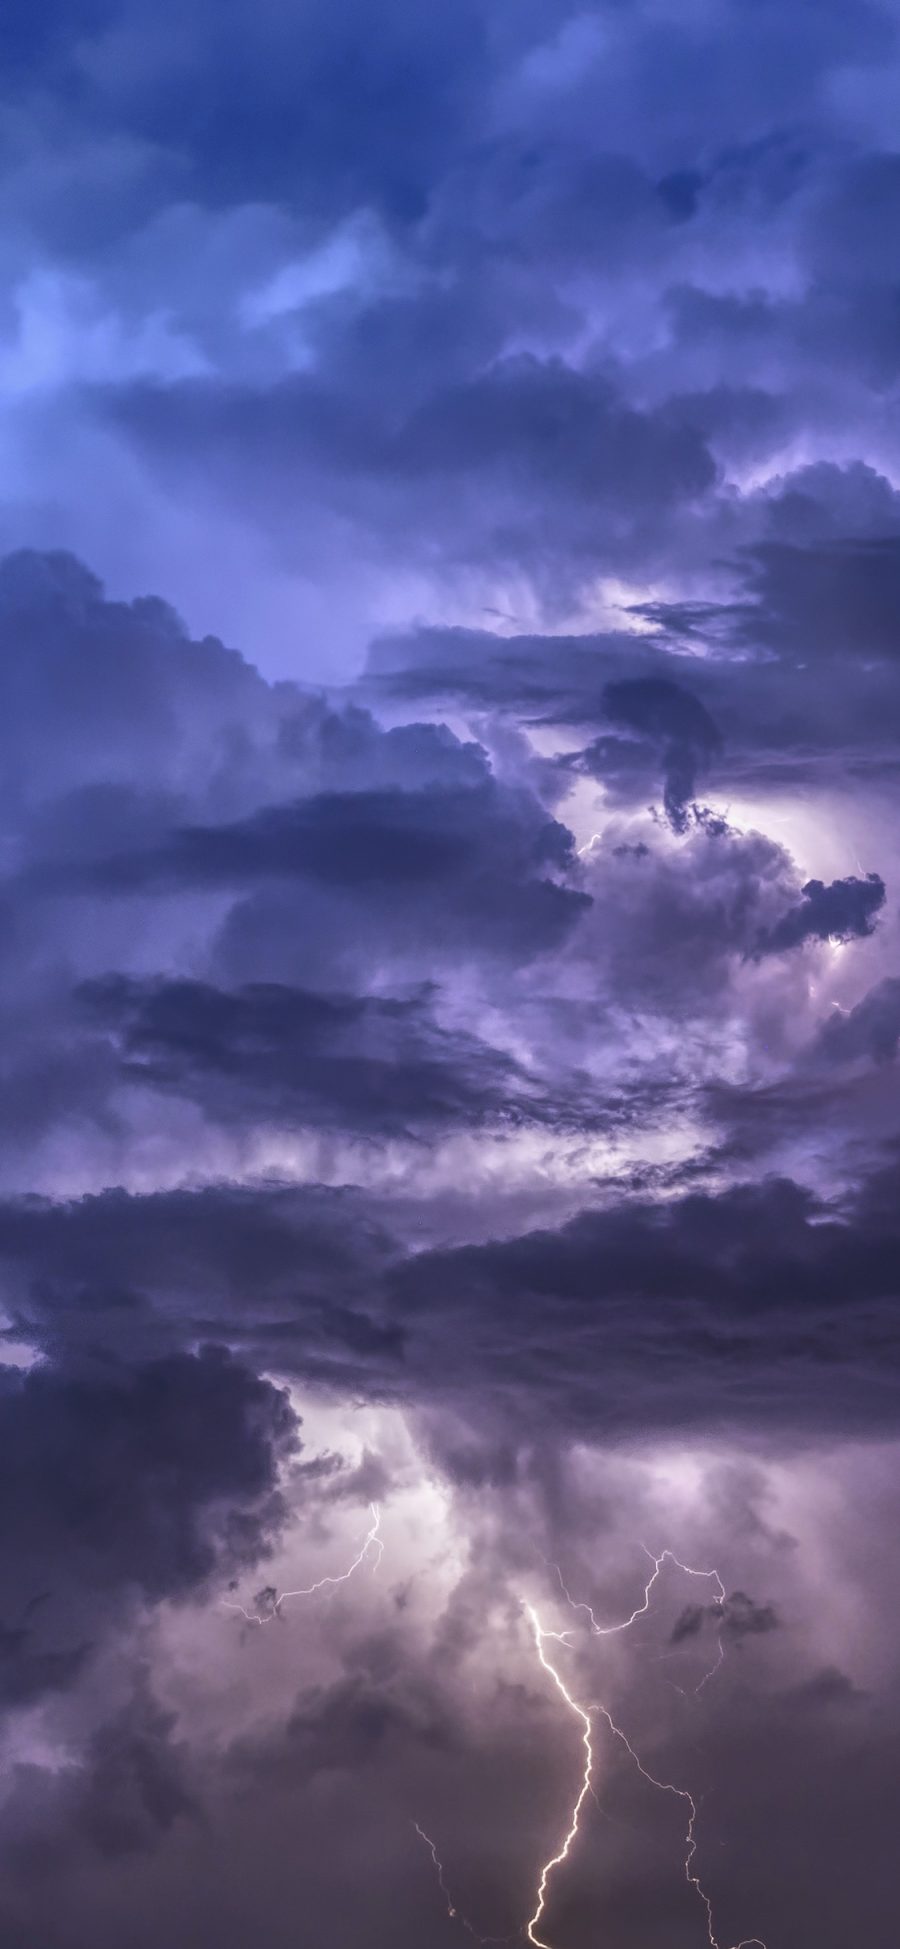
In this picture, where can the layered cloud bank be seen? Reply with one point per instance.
(450, 1010)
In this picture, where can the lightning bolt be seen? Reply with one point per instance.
(540, 1637)
(372, 1542)
(583, 1713)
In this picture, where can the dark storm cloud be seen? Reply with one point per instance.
(834, 595)
(757, 1305)
(347, 839)
(479, 858)
(267, 1267)
(661, 710)
(125, 1472)
(371, 1064)
(125, 1482)
(842, 599)
(690, 1622)
(843, 911)
(189, 1432)
(757, 1302)
(674, 718)
(393, 838)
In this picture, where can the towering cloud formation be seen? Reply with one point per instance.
(448, 1039)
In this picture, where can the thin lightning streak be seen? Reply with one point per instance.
(720, 1660)
(579, 1712)
(372, 1541)
(641, 1609)
(454, 1913)
(665, 1556)
(681, 1793)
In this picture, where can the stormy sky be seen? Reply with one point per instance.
(449, 974)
